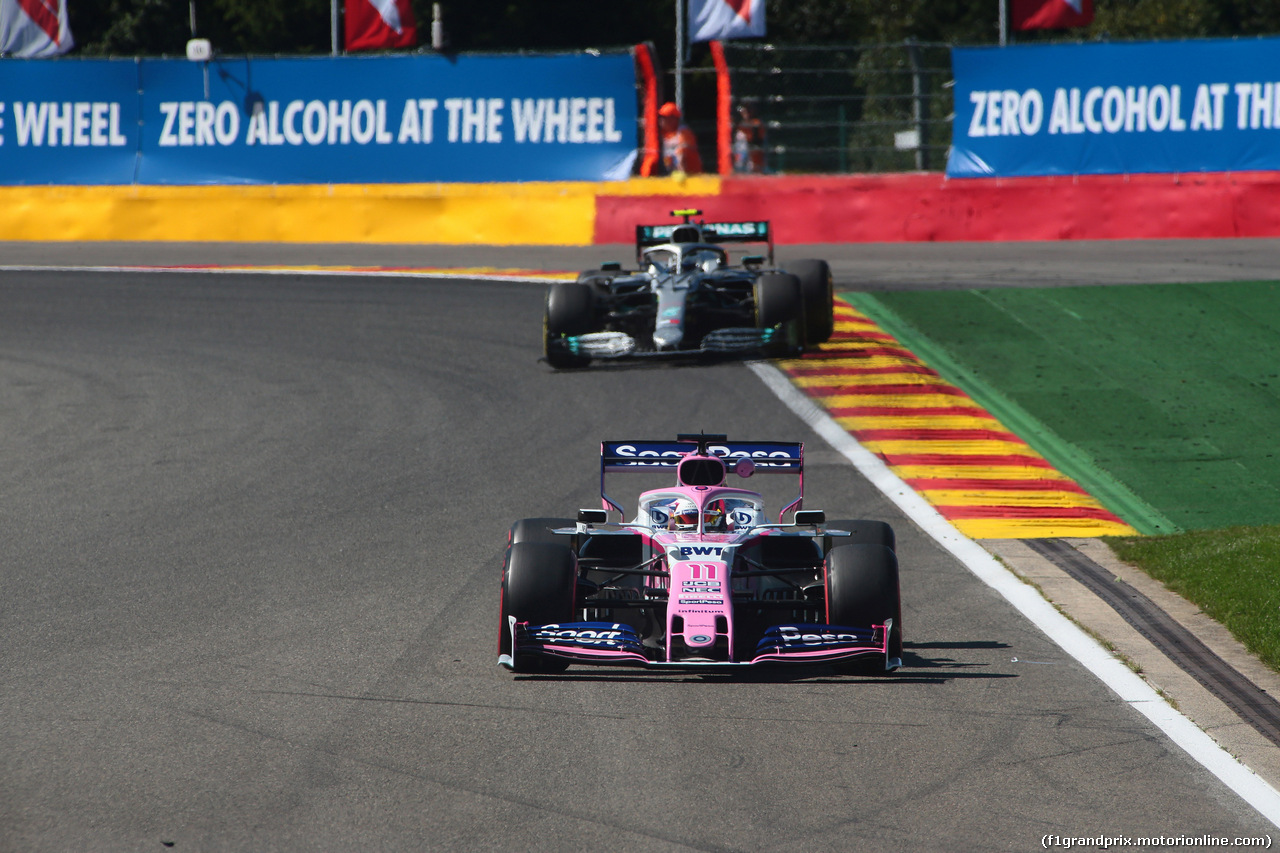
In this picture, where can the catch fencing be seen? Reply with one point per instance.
(846, 108)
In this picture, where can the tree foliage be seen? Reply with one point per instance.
(162, 27)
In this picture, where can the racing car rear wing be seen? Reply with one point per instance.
(768, 457)
(705, 232)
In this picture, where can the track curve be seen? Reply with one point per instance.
(250, 566)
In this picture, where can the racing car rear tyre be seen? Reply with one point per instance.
(626, 552)
(779, 303)
(782, 552)
(599, 278)
(865, 532)
(571, 310)
(862, 590)
(539, 583)
(817, 291)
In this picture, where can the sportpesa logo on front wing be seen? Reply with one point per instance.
(792, 636)
(585, 634)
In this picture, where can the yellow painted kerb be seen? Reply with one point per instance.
(535, 213)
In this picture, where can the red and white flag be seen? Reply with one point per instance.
(711, 20)
(34, 28)
(1050, 14)
(376, 24)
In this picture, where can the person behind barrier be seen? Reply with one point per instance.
(748, 141)
(679, 145)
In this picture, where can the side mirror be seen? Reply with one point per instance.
(592, 516)
(744, 467)
(611, 266)
(753, 260)
(810, 516)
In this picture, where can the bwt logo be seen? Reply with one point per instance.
(701, 550)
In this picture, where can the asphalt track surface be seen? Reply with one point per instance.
(253, 529)
(856, 266)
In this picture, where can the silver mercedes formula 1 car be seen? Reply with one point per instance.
(687, 298)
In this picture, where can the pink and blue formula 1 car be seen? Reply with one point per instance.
(699, 577)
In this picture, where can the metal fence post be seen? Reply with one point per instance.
(918, 105)
(843, 137)
(680, 38)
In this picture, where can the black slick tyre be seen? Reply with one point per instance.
(862, 590)
(539, 530)
(539, 582)
(864, 532)
(779, 305)
(597, 278)
(817, 290)
(571, 310)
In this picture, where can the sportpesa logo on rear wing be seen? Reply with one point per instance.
(712, 232)
(772, 456)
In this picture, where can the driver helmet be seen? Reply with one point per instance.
(703, 259)
(714, 517)
(684, 515)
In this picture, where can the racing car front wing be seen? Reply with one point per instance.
(622, 345)
(620, 644)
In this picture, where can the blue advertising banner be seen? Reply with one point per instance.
(53, 131)
(379, 119)
(1073, 109)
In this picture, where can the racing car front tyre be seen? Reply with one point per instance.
(817, 291)
(539, 530)
(864, 532)
(862, 590)
(779, 304)
(539, 583)
(571, 310)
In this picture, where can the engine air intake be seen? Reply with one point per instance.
(701, 472)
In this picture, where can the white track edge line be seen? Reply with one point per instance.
(1251, 787)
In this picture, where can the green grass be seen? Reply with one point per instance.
(1231, 574)
(1171, 390)
(1162, 399)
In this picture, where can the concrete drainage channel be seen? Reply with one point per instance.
(1251, 703)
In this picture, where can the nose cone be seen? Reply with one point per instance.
(667, 337)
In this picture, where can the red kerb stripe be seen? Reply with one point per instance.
(957, 513)
(981, 485)
(977, 460)
(935, 434)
